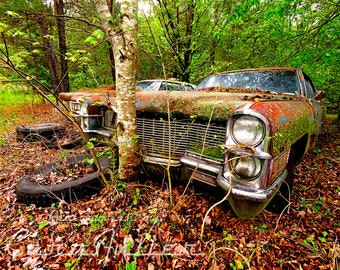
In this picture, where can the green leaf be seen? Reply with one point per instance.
(90, 145)
(148, 236)
(98, 34)
(43, 224)
(3, 27)
(239, 264)
(12, 14)
(63, 155)
(131, 266)
(99, 154)
(91, 40)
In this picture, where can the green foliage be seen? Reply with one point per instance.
(317, 150)
(89, 161)
(63, 155)
(96, 221)
(121, 185)
(96, 37)
(310, 241)
(130, 266)
(3, 142)
(25, 45)
(259, 229)
(212, 152)
(228, 237)
(245, 34)
(43, 224)
(136, 196)
(12, 94)
(323, 238)
(238, 265)
(72, 265)
(187, 41)
(90, 145)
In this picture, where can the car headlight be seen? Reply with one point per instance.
(248, 130)
(246, 168)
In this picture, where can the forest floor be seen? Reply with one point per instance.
(134, 227)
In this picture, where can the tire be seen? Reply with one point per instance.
(283, 197)
(38, 132)
(31, 192)
(70, 145)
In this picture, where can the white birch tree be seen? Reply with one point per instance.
(121, 28)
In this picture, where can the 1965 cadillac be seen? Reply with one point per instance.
(241, 131)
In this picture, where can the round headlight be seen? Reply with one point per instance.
(248, 130)
(245, 167)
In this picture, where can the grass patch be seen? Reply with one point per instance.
(16, 95)
(13, 99)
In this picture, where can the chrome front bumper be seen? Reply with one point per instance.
(258, 195)
(246, 202)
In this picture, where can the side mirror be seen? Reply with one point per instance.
(319, 95)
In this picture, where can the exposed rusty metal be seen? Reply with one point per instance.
(290, 120)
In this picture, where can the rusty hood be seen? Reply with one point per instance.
(204, 105)
(201, 104)
(215, 105)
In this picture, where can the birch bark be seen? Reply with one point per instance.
(122, 34)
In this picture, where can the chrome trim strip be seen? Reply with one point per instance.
(201, 164)
(103, 132)
(260, 195)
(257, 154)
(162, 161)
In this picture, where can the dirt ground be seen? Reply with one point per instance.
(133, 226)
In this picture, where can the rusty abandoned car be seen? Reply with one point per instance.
(240, 131)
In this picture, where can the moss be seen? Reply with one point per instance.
(290, 133)
(211, 152)
(203, 111)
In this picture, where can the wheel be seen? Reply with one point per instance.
(38, 132)
(31, 192)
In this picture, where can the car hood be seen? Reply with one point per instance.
(192, 104)
(200, 104)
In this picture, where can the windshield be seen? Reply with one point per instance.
(149, 85)
(284, 81)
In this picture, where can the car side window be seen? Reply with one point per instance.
(310, 91)
(171, 86)
(189, 88)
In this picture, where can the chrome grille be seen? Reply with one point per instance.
(158, 137)
(108, 120)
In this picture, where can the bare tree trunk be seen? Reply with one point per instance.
(122, 36)
(112, 58)
(112, 63)
(50, 53)
(59, 11)
(338, 110)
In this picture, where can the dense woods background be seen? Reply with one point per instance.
(62, 43)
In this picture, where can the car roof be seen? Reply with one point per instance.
(168, 81)
(260, 69)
